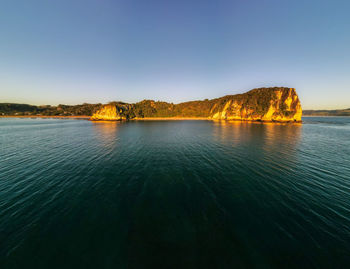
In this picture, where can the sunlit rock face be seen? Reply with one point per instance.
(107, 112)
(264, 104)
(278, 104)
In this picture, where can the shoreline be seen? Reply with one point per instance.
(142, 119)
(170, 118)
(149, 118)
(323, 116)
(46, 117)
(197, 118)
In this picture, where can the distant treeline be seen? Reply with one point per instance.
(339, 112)
(9, 109)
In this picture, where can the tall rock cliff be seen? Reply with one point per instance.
(265, 104)
(276, 104)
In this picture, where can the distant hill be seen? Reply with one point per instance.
(339, 112)
(10, 109)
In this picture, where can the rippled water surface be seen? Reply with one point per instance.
(174, 194)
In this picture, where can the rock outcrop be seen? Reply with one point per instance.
(107, 112)
(278, 104)
(114, 111)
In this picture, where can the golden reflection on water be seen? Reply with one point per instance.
(288, 133)
(106, 131)
(271, 144)
(267, 134)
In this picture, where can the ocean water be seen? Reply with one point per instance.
(174, 194)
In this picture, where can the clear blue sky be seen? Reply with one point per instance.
(75, 51)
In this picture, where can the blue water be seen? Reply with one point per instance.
(174, 194)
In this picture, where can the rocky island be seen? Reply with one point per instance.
(275, 104)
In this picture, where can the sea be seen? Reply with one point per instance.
(174, 194)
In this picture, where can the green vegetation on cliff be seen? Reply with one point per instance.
(263, 104)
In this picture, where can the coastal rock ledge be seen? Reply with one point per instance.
(275, 104)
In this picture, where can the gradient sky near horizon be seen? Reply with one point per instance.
(75, 51)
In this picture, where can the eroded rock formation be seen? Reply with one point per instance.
(114, 111)
(107, 112)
